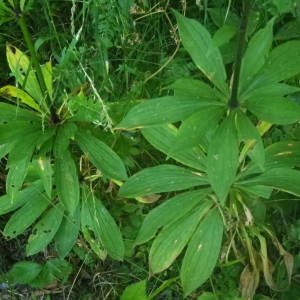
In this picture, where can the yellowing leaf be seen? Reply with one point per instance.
(10, 91)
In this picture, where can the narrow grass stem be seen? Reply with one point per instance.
(233, 101)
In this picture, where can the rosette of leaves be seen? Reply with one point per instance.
(44, 138)
(214, 129)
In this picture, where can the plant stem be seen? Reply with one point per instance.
(233, 101)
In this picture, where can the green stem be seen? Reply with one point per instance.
(233, 101)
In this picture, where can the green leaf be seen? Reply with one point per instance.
(173, 238)
(269, 90)
(163, 110)
(202, 252)
(47, 74)
(46, 173)
(44, 231)
(275, 110)
(67, 233)
(163, 138)
(101, 156)
(20, 66)
(283, 154)
(283, 63)
(10, 91)
(224, 34)
(189, 87)
(207, 57)
(6, 14)
(7, 204)
(23, 272)
(66, 180)
(260, 43)
(193, 129)
(54, 270)
(95, 217)
(222, 158)
(208, 296)
(283, 179)
(159, 179)
(16, 176)
(169, 211)
(26, 215)
(135, 291)
(248, 133)
(10, 132)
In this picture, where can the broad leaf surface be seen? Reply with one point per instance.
(95, 217)
(159, 179)
(202, 252)
(163, 110)
(222, 159)
(260, 43)
(10, 113)
(66, 180)
(163, 138)
(194, 128)
(283, 63)
(67, 233)
(26, 215)
(199, 44)
(283, 179)
(173, 238)
(275, 110)
(101, 156)
(248, 133)
(23, 272)
(44, 231)
(169, 211)
(135, 291)
(32, 191)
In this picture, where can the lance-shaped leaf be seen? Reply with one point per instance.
(95, 217)
(260, 43)
(173, 238)
(45, 171)
(67, 233)
(44, 231)
(194, 129)
(169, 211)
(207, 57)
(163, 110)
(279, 65)
(20, 66)
(184, 87)
(163, 178)
(275, 110)
(6, 205)
(26, 215)
(283, 179)
(249, 134)
(66, 179)
(101, 156)
(202, 252)
(163, 138)
(222, 159)
(269, 90)
(135, 291)
(23, 272)
(10, 91)
(10, 113)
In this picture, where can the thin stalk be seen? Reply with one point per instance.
(233, 101)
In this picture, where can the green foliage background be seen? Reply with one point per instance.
(131, 112)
